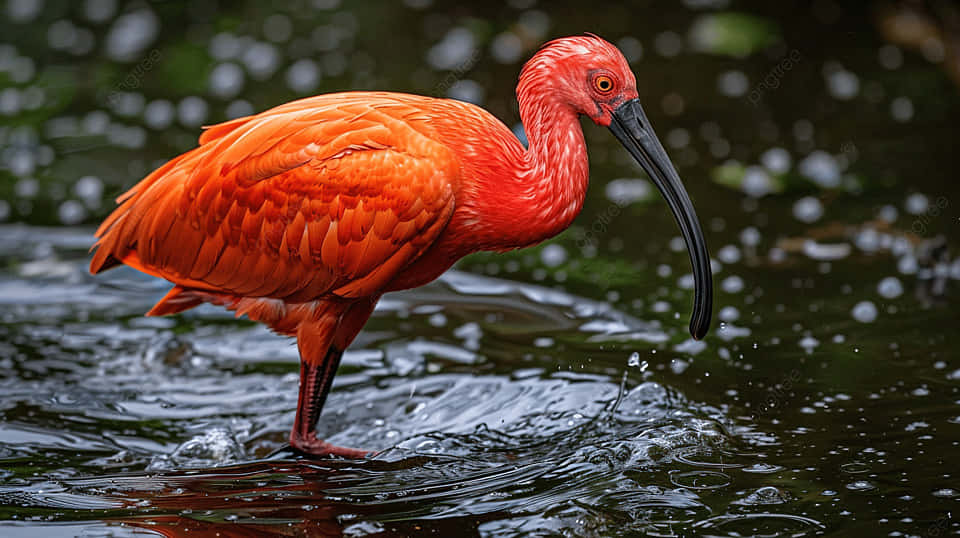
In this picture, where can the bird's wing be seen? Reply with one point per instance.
(316, 197)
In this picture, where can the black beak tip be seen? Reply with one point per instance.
(698, 332)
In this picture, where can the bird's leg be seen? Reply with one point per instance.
(315, 382)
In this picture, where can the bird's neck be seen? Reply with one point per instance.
(542, 190)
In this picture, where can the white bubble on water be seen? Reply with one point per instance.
(916, 203)
(239, 109)
(955, 269)
(553, 255)
(132, 136)
(901, 109)
(225, 46)
(226, 80)
(821, 168)
(732, 284)
(888, 213)
(729, 254)
(733, 83)
(21, 162)
(96, 122)
(808, 209)
(635, 362)
(22, 70)
(890, 288)
(750, 236)
(90, 190)
(23, 11)
(99, 10)
(159, 114)
(623, 191)
(261, 60)
(127, 104)
(842, 84)
(453, 51)
(71, 212)
(729, 314)
(506, 48)
(303, 76)
(757, 182)
(825, 251)
(864, 312)
(61, 35)
(868, 240)
(26, 188)
(130, 34)
(192, 111)
(467, 90)
(907, 265)
(10, 101)
(776, 160)
(809, 343)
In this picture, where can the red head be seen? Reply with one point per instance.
(586, 72)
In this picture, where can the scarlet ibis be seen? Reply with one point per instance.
(302, 216)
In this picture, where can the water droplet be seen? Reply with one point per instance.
(861, 485)
(864, 312)
(226, 80)
(890, 287)
(808, 209)
(776, 160)
(732, 284)
(553, 255)
(916, 203)
(821, 168)
(733, 83)
(901, 109)
(623, 191)
(842, 84)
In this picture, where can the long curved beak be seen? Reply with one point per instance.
(631, 126)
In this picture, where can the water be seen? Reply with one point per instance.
(546, 392)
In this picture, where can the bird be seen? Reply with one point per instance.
(302, 216)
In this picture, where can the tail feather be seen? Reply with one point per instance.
(176, 300)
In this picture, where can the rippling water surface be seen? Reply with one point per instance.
(498, 409)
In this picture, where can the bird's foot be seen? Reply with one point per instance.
(310, 446)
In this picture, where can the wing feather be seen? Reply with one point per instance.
(332, 195)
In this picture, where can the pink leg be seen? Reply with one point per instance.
(315, 382)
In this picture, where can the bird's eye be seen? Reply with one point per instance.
(603, 83)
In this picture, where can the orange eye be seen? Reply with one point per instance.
(603, 83)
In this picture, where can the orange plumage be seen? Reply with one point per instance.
(302, 216)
